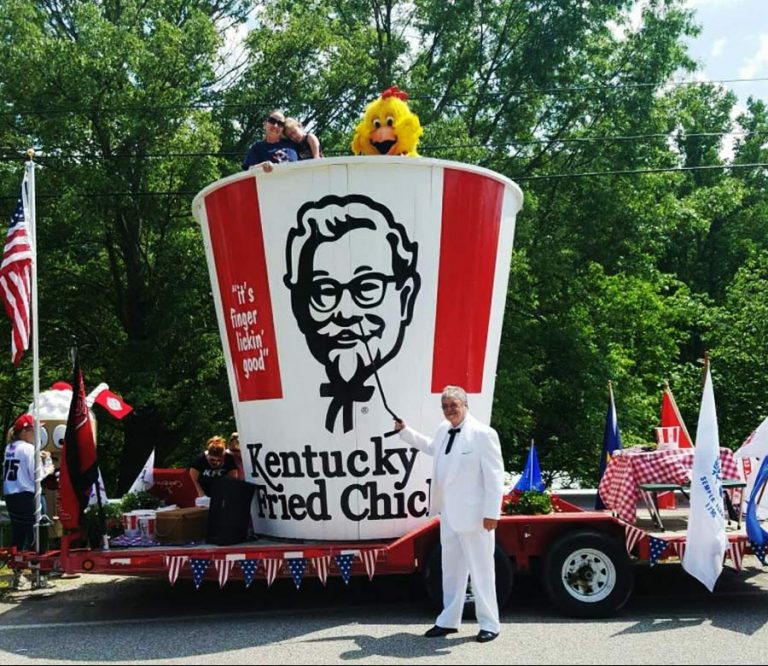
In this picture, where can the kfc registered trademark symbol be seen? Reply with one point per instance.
(364, 410)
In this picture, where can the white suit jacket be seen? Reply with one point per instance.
(473, 484)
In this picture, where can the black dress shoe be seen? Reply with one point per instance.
(484, 636)
(436, 631)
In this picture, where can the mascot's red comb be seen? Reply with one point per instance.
(394, 91)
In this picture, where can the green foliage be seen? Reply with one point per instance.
(141, 500)
(134, 106)
(527, 503)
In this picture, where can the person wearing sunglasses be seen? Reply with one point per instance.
(274, 148)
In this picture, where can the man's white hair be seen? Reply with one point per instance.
(455, 392)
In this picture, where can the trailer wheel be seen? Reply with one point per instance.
(588, 574)
(433, 580)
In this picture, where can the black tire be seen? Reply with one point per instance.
(433, 579)
(588, 574)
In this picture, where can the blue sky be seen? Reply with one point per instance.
(733, 44)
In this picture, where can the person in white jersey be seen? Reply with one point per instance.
(19, 482)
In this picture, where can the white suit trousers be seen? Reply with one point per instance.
(468, 554)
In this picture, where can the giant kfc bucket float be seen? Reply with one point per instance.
(335, 280)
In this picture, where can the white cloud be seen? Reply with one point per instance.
(757, 61)
(718, 46)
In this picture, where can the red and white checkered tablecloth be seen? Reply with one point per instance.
(628, 468)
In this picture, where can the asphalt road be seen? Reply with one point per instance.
(96, 619)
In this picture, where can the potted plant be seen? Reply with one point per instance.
(527, 503)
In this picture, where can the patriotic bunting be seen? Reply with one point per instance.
(369, 558)
(344, 562)
(678, 548)
(736, 553)
(321, 567)
(297, 567)
(199, 567)
(633, 535)
(657, 548)
(272, 567)
(759, 551)
(223, 569)
(174, 564)
(249, 568)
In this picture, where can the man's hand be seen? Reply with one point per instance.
(399, 425)
(490, 524)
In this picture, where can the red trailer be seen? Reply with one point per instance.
(585, 559)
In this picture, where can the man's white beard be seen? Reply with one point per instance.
(348, 361)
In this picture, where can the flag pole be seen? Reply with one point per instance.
(29, 167)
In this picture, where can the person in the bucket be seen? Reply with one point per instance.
(211, 465)
(353, 281)
(467, 489)
(306, 144)
(274, 149)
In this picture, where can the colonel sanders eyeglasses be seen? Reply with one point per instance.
(367, 291)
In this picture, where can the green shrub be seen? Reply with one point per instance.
(527, 503)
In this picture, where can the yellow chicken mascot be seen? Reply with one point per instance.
(388, 127)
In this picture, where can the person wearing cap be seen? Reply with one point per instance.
(19, 482)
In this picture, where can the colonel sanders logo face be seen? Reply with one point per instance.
(353, 281)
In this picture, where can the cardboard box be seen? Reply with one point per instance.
(181, 525)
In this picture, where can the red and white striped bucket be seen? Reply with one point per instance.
(325, 272)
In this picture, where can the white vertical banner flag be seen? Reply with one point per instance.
(146, 478)
(705, 540)
(93, 498)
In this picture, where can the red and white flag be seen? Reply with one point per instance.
(272, 567)
(736, 553)
(174, 564)
(223, 569)
(113, 403)
(633, 535)
(321, 565)
(369, 559)
(670, 418)
(16, 276)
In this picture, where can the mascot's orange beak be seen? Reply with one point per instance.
(384, 140)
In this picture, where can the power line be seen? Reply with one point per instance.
(326, 103)
(582, 174)
(8, 157)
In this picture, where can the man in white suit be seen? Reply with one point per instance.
(467, 489)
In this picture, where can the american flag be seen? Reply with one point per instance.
(16, 278)
(632, 535)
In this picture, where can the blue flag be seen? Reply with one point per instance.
(531, 478)
(611, 442)
(249, 568)
(344, 562)
(199, 567)
(755, 533)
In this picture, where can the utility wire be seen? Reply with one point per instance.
(12, 157)
(327, 103)
(521, 178)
